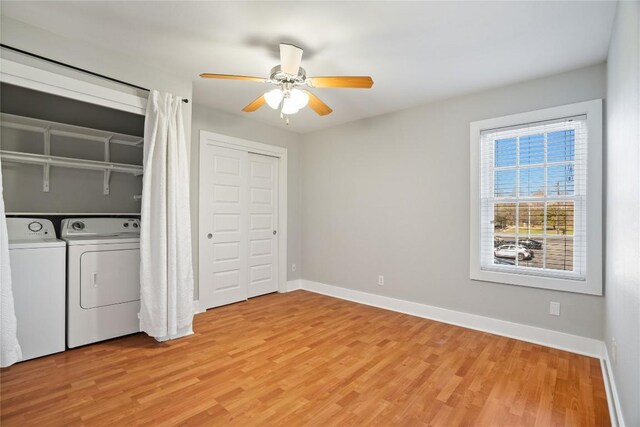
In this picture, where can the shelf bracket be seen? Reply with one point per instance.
(46, 169)
(107, 178)
(107, 158)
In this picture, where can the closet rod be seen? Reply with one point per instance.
(73, 67)
(69, 162)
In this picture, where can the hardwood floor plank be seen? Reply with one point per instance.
(307, 359)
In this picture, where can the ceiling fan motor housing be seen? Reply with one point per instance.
(278, 76)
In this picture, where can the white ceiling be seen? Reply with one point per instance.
(416, 52)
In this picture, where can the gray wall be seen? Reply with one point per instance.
(212, 120)
(71, 190)
(623, 208)
(390, 196)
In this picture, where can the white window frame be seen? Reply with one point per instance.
(593, 275)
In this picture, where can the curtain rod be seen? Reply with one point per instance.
(73, 67)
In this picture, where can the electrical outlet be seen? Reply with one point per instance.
(380, 280)
(614, 351)
(293, 267)
(554, 308)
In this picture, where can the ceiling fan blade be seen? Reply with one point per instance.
(317, 105)
(255, 104)
(290, 58)
(360, 82)
(232, 77)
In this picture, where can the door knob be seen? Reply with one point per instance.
(209, 236)
(275, 232)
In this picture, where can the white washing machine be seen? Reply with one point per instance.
(103, 283)
(38, 282)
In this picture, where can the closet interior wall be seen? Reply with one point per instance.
(71, 191)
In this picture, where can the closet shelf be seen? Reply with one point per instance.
(48, 129)
(68, 162)
(29, 124)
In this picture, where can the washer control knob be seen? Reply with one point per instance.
(35, 226)
(78, 225)
(126, 225)
(135, 225)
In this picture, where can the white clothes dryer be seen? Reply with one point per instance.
(103, 284)
(37, 261)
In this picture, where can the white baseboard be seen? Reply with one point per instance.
(615, 410)
(294, 285)
(560, 340)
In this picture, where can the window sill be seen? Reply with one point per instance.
(590, 287)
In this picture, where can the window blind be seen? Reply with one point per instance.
(533, 187)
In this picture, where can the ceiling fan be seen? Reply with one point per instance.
(289, 76)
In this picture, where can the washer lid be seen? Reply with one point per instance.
(31, 244)
(34, 232)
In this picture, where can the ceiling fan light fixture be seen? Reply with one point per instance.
(289, 107)
(273, 98)
(299, 98)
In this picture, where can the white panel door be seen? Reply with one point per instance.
(224, 237)
(263, 225)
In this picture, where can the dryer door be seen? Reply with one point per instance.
(109, 277)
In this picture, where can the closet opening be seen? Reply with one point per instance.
(64, 158)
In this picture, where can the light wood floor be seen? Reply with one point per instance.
(301, 358)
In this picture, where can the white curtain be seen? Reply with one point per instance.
(166, 273)
(10, 352)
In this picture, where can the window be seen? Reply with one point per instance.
(533, 198)
(536, 199)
